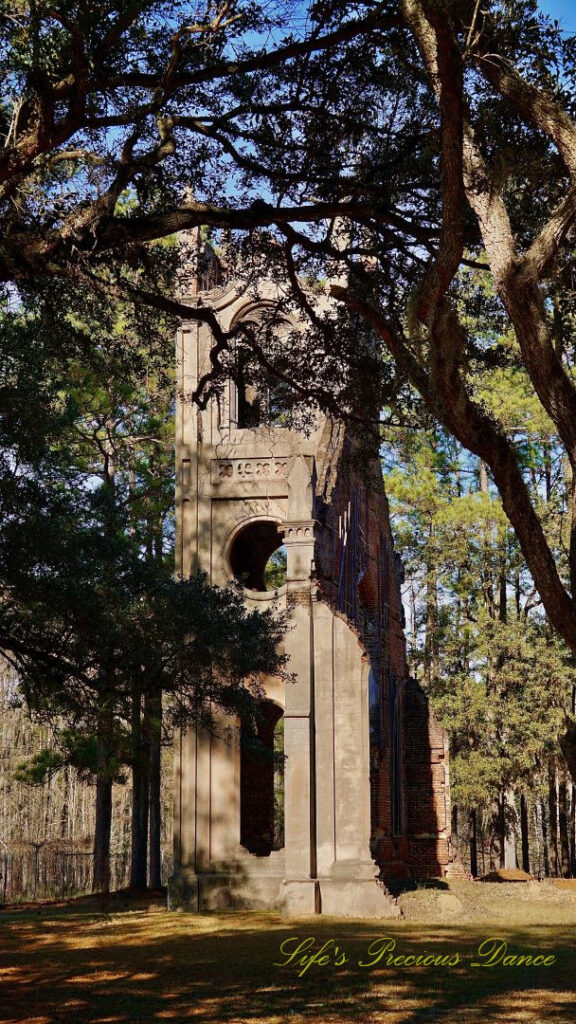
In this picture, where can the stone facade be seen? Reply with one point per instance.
(365, 784)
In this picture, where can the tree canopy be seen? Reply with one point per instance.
(386, 147)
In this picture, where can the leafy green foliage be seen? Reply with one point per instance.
(275, 569)
(499, 679)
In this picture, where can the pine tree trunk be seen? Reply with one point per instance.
(573, 831)
(509, 828)
(431, 657)
(545, 846)
(140, 797)
(524, 833)
(473, 843)
(155, 734)
(497, 835)
(538, 865)
(563, 825)
(553, 821)
(104, 743)
(103, 826)
(65, 805)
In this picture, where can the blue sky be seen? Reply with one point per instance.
(563, 10)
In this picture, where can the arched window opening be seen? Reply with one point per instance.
(249, 410)
(258, 557)
(264, 396)
(262, 781)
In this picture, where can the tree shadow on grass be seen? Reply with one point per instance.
(397, 886)
(226, 969)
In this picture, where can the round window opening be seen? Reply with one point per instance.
(258, 557)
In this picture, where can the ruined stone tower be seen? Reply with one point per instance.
(249, 486)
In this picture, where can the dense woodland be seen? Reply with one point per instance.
(413, 162)
(498, 678)
(47, 829)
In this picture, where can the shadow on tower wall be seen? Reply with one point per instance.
(419, 844)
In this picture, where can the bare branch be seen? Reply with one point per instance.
(258, 62)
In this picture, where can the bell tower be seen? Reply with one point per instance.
(297, 520)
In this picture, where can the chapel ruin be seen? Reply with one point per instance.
(363, 794)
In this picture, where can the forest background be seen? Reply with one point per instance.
(430, 186)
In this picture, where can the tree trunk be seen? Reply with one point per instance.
(545, 847)
(502, 588)
(140, 797)
(568, 745)
(497, 835)
(431, 639)
(524, 833)
(553, 822)
(573, 831)
(154, 715)
(487, 582)
(473, 844)
(563, 825)
(509, 828)
(65, 816)
(103, 826)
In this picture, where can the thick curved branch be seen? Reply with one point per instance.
(445, 395)
(521, 296)
(536, 107)
(515, 279)
(441, 56)
(107, 232)
(547, 244)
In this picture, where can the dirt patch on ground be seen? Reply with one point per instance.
(551, 902)
(529, 903)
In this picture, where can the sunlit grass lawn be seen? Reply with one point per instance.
(78, 964)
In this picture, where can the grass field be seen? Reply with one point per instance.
(137, 962)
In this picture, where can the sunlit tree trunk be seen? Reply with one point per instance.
(497, 834)
(524, 832)
(573, 830)
(140, 796)
(155, 738)
(473, 843)
(553, 820)
(431, 647)
(564, 844)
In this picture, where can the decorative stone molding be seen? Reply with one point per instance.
(248, 469)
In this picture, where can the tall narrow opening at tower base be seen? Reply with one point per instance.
(262, 781)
